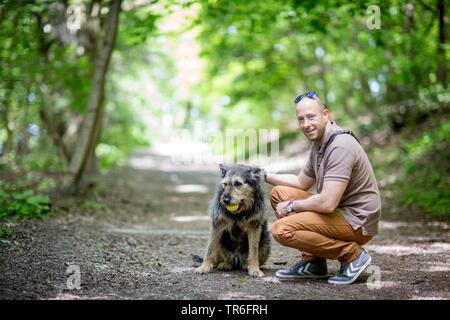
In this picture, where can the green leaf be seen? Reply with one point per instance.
(23, 195)
(37, 200)
(4, 195)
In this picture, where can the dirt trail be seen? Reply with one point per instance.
(153, 216)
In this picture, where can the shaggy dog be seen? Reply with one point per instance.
(238, 236)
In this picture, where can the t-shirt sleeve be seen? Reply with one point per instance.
(308, 169)
(339, 164)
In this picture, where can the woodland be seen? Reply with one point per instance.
(86, 83)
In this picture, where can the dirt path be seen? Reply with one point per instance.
(153, 215)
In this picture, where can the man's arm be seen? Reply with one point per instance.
(325, 202)
(302, 181)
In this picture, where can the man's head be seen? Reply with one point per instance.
(312, 117)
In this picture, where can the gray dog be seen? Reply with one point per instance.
(238, 237)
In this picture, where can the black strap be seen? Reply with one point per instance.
(333, 136)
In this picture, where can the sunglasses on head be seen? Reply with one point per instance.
(310, 95)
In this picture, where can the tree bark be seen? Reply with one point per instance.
(62, 150)
(91, 127)
(442, 68)
(7, 145)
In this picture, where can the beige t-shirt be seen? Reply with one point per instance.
(345, 160)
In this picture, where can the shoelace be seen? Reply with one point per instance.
(297, 266)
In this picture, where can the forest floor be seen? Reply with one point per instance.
(133, 236)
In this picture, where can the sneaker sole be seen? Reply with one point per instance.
(297, 276)
(356, 275)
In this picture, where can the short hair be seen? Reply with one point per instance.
(322, 105)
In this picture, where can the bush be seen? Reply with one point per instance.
(109, 155)
(23, 204)
(426, 162)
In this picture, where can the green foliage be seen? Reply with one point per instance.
(262, 55)
(426, 166)
(89, 204)
(136, 26)
(23, 204)
(41, 57)
(46, 184)
(374, 81)
(257, 56)
(125, 131)
(108, 155)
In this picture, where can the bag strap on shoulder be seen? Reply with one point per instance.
(333, 136)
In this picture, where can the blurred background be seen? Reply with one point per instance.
(83, 85)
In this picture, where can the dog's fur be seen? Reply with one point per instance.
(240, 239)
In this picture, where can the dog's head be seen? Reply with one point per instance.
(238, 187)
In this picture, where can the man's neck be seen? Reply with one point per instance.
(327, 129)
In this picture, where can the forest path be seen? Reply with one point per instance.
(136, 239)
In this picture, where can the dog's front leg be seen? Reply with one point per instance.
(254, 235)
(210, 255)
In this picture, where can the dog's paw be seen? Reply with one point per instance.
(255, 272)
(223, 266)
(203, 269)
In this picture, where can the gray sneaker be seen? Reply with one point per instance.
(305, 270)
(350, 272)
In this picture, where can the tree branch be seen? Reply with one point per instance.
(427, 7)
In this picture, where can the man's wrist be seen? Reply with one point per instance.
(290, 206)
(294, 205)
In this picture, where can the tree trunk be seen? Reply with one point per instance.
(22, 147)
(442, 68)
(7, 145)
(90, 130)
(62, 150)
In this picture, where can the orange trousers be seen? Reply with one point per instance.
(316, 235)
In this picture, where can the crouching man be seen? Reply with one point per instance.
(342, 216)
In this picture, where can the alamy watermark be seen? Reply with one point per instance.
(374, 20)
(74, 14)
(74, 279)
(374, 280)
(213, 146)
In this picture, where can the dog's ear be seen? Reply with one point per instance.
(256, 174)
(223, 169)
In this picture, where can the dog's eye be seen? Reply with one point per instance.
(238, 184)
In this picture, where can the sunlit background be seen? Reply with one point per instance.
(182, 73)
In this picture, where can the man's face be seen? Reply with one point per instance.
(311, 120)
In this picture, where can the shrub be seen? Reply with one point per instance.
(23, 204)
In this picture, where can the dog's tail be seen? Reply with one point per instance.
(197, 260)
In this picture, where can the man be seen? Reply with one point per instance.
(342, 216)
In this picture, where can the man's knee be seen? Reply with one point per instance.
(280, 231)
(276, 196)
(283, 193)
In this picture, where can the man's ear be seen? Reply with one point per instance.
(223, 169)
(325, 114)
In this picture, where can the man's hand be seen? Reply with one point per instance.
(324, 202)
(281, 210)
